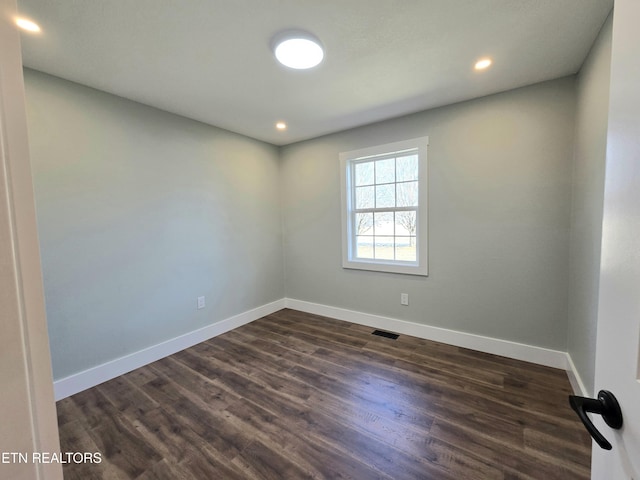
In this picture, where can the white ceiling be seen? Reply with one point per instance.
(210, 60)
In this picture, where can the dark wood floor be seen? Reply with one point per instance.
(294, 395)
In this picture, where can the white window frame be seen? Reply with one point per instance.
(347, 165)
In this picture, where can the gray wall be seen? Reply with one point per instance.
(592, 105)
(140, 212)
(499, 193)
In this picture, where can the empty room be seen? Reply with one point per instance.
(287, 239)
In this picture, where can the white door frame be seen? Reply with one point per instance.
(27, 403)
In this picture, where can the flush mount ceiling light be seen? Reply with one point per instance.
(297, 49)
(281, 126)
(483, 64)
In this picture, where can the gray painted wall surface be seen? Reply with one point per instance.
(499, 205)
(592, 105)
(140, 212)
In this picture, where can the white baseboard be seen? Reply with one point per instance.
(505, 348)
(574, 378)
(91, 377)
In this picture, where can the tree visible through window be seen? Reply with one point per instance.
(384, 207)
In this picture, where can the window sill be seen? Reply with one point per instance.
(373, 266)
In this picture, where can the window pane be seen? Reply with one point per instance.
(407, 168)
(364, 247)
(383, 224)
(364, 173)
(364, 197)
(405, 223)
(407, 194)
(364, 223)
(383, 199)
(384, 248)
(386, 171)
(385, 196)
(406, 249)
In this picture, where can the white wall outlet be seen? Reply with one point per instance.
(200, 302)
(404, 299)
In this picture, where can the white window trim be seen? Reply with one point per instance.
(420, 267)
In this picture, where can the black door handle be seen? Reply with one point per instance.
(605, 405)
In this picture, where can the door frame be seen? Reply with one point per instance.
(26, 398)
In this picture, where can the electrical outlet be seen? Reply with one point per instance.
(404, 299)
(200, 302)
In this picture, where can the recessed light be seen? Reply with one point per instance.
(297, 49)
(483, 64)
(27, 25)
(281, 126)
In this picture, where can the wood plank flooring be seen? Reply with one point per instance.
(294, 396)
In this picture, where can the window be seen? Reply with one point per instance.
(384, 207)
